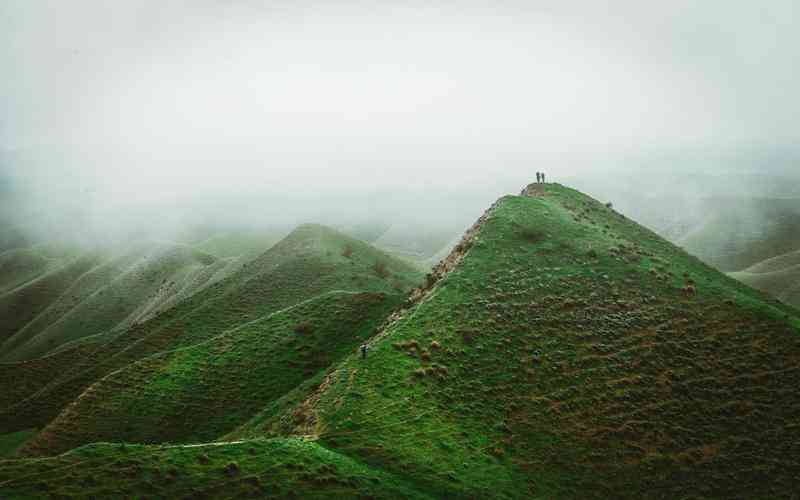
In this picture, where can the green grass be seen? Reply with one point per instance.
(10, 443)
(275, 468)
(307, 263)
(247, 244)
(202, 392)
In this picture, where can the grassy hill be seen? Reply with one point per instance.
(311, 261)
(114, 292)
(202, 392)
(778, 276)
(22, 265)
(560, 351)
(572, 353)
(740, 232)
(240, 244)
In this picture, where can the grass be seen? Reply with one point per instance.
(248, 244)
(306, 264)
(111, 293)
(202, 392)
(274, 468)
(10, 443)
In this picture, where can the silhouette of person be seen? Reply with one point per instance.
(542, 177)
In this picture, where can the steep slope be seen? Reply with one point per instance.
(779, 276)
(569, 352)
(311, 261)
(202, 392)
(113, 294)
(22, 305)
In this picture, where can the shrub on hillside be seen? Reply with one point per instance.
(531, 235)
(304, 327)
(380, 269)
(347, 251)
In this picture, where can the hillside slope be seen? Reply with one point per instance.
(202, 392)
(778, 276)
(572, 353)
(312, 260)
(116, 293)
(740, 232)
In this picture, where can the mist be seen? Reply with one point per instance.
(146, 117)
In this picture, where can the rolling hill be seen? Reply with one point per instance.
(310, 261)
(559, 351)
(737, 233)
(94, 295)
(778, 276)
(201, 393)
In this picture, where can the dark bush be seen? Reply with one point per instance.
(304, 327)
(380, 269)
(347, 251)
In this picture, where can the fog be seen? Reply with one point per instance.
(133, 116)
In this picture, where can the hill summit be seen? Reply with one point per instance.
(560, 351)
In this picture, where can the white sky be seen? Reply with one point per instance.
(152, 100)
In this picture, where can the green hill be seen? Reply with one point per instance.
(778, 276)
(569, 352)
(240, 244)
(312, 260)
(114, 293)
(22, 305)
(739, 232)
(202, 392)
(20, 266)
(560, 351)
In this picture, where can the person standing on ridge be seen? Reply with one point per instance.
(364, 348)
(543, 178)
(538, 177)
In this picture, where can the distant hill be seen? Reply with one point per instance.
(240, 244)
(310, 261)
(95, 294)
(559, 351)
(739, 233)
(417, 241)
(778, 276)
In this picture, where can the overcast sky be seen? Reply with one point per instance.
(139, 102)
